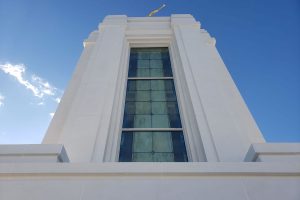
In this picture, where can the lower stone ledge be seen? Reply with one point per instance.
(145, 169)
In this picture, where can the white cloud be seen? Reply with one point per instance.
(43, 85)
(51, 114)
(38, 86)
(1, 100)
(57, 100)
(41, 103)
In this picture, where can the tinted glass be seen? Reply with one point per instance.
(149, 62)
(151, 103)
(152, 146)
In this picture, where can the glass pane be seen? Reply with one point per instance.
(155, 55)
(142, 142)
(132, 63)
(174, 121)
(179, 147)
(158, 96)
(160, 121)
(165, 55)
(131, 85)
(126, 147)
(128, 121)
(156, 72)
(172, 108)
(130, 96)
(142, 121)
(158, 84)
(167, 67)
(162, 142)
(143, 63)
(143, 55)
(143, 72)
(143, 107)
(159, 107)
(169, 86)
(156, 64)
(142, 157)
(132, 72)
(142, 85)
(166, 63)
(163, 157)
(170, 96)
(130, 108)
(167, 72)
(133, 55)
(142, 96)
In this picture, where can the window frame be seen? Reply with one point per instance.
(193, 142)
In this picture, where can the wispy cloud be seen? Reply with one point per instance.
(41, 103)
(38, 86)
(57, 100)
(51, 114)
(43, 86)
(1, 100)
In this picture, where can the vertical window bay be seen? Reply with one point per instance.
(152, 130)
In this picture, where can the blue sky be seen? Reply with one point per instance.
(41, 41)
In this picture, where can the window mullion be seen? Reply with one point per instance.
(152, 129)
(150, 78)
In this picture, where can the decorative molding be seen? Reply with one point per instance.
(33, 153)
(273, 152)
(91, 39)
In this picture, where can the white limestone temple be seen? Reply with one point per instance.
(151, 112)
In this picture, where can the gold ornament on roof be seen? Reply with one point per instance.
(156, 10)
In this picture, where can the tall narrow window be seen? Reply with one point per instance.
(152, 130)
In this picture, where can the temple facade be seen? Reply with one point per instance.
(151, 112)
